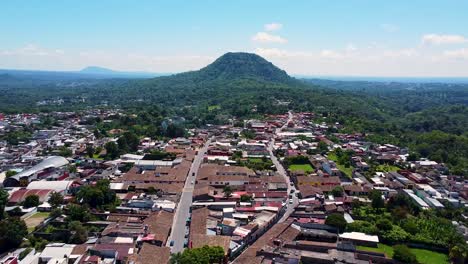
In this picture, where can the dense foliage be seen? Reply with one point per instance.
(204, 255)
(97, 196)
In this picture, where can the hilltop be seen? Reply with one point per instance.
(233, 67)
(241, 65)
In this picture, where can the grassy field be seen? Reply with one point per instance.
(35, 220)
(96, 156)
(214, 107)
(423, 256)
(387, 168)
(347, 171)
(255, 160)
(301, 167)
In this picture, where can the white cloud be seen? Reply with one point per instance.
(281, 53)
(331, 54)
(390, 28)
(457, 54)
(265, 37)
(271, 52)
(350, 47)
(400, 53)
(273, 26)
(437, 39)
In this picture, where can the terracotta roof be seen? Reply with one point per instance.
(21, 194)
(289, 234)
(249, 256)
(160, 224)
(208, 169)
(309, 190)
(199, 219)
(318, 180)
(198, 240)
(178, 173)
(151, 254)
(80, 249)
(165, 187)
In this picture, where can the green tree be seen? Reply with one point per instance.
(76, 212)
(55, 199)
(402, 253)
(91, 196)
(78, 232)
(395, 235)
(65, 152)
(72, 168)
(174, 131)
(31, 201)
(90, 151)
(56, 212)
(112, 150)
(337, 191)
(151, 190)
(459, 253)
(3, 202)
(203, 255)
(10, 173)
(377, 200)
(227, 190)
(12, 232)
(132, 141)
(384, 224)
(336, 220)
(98, 195)
(322, 147)
(245, 198)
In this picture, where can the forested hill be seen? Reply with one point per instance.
(230, 67)
(238, 65)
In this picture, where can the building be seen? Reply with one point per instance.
(47, 167)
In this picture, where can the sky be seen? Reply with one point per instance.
(316, 38)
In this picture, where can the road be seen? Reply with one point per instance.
(183, 208)
(280, 169)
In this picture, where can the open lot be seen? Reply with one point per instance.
(423, 256)
(35, 220)
(301, 167)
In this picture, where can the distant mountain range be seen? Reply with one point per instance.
(91, 72)
(109, 72)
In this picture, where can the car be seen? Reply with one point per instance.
(291, 191)
(290, 201)
(171, 243)
(193, 174)
(290, 196)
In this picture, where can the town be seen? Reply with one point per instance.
(288, 188)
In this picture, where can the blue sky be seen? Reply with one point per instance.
(355, 38)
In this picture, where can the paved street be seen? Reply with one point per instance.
(282, 172)
(182, 212)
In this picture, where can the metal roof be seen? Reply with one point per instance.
(50, 162)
